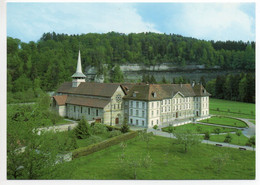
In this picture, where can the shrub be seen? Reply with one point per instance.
(94, 139)
(217, 130)
(124, 128)
(98, 128)
(155, 127)
(114, 133)
(251, 141)
(170, 129)
(228, 138)
(207, 135)
(102, 145)
(110, 128)
(82, 129)
(198, 129)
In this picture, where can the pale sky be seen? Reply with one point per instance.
(209, 21)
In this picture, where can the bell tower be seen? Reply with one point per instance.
(78, 76)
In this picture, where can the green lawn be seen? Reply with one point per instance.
(225, 121)
(201, 129)
(252, 121)
(237, 109)
(168, 162)
(236, 140)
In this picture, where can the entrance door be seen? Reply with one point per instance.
(117, 120)
(176, 114)
(197, 113)
(98, 120)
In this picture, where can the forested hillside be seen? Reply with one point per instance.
(45, 64)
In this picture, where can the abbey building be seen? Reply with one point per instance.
(143, 105)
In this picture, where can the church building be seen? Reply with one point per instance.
(143, 105)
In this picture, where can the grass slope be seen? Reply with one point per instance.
(225, 121)
(201, 129)
(237, 109)
(168, 162)
(236, 140)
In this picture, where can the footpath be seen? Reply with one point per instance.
(219, 144)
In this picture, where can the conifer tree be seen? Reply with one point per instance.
(82, 130)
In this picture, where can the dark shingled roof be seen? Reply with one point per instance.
(61, 100)
(162, 91)
(200, 90)
(89, 88)
(89, 102)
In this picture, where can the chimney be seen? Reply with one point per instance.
(193, 83)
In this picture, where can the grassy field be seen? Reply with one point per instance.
(225, 121)
(252, 121)
(232, 108)
(201, 129)
(168, 162)
(236, 140)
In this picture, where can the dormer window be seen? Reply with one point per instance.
(154, 94)
(134, 93)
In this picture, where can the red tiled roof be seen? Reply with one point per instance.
(61, 100)
(86, 101)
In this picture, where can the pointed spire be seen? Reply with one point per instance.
(79, 69)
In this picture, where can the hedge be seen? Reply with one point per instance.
(83, 151)
(110, 128)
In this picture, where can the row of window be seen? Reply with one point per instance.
(137, 104)
(137, 113)
(155, 122)
(88, 110)
(136, 122)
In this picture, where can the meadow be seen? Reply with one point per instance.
(167, 161)
(232, 108)
(221, 120)
(236, 140)
(201, 129)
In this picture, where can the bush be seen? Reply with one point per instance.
(110, 128)
(124, 128)
(251, 141)
(114, 133)
(83, 151)
(82, 130)
(207, 135)
(98, 128)
(155, 127)
(217, 130)
(94, 139)
(228, 138)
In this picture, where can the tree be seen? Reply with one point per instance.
(130, 165)
(238, 133)
(152, 80)
(203, 81)
(251, 141)
(219, 161)
(217, 130)
(125, 127)
(82, 130)
(117, 75)
(206, 135)
(164, 81)
(228, 138)
(146, 137)
(30, 154)
(187, 138)
(170, 129)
